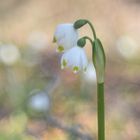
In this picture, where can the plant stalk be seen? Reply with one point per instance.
(101, 113)
(92, 28)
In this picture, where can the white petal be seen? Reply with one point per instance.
(60, 32)
(84, 60)
(90, 74)
(66, 35)
(75, 58)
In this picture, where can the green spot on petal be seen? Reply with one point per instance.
(64, 63)
(54, 40)
(75, 69)
(60, 48)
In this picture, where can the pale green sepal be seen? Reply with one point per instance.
(99, 60)
(81, 42)
(79, 23)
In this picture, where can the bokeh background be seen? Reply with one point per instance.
(38, 100)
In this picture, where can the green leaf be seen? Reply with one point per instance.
(99, 60)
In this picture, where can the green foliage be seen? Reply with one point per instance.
(99, 60)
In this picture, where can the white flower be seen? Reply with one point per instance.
(75, 58)
(9, 54)
(65, 36)
(90, 74)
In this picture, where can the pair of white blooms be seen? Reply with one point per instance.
(66, 37)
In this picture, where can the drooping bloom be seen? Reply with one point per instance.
(90, 74)
(65, 36)
(75, 58)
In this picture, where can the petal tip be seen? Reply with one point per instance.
(75, 69)
(63, 64)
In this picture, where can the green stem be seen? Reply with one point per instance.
(92, 28)
(101, 114)
(86, 37)
(98, 59)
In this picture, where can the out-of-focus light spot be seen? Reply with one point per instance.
(90, 75)
(127, 47)
(39, 102)
(37, 41)
(9, 54)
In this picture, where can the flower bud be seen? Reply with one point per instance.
(81, 42)
(79, 23)
(99, 60)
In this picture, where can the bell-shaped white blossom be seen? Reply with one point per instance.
(75, 58)
(9, 54)
(65, 36)
(90, 74)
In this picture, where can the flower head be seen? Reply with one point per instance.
(74, 58)
(90, 74)
(65, 36)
